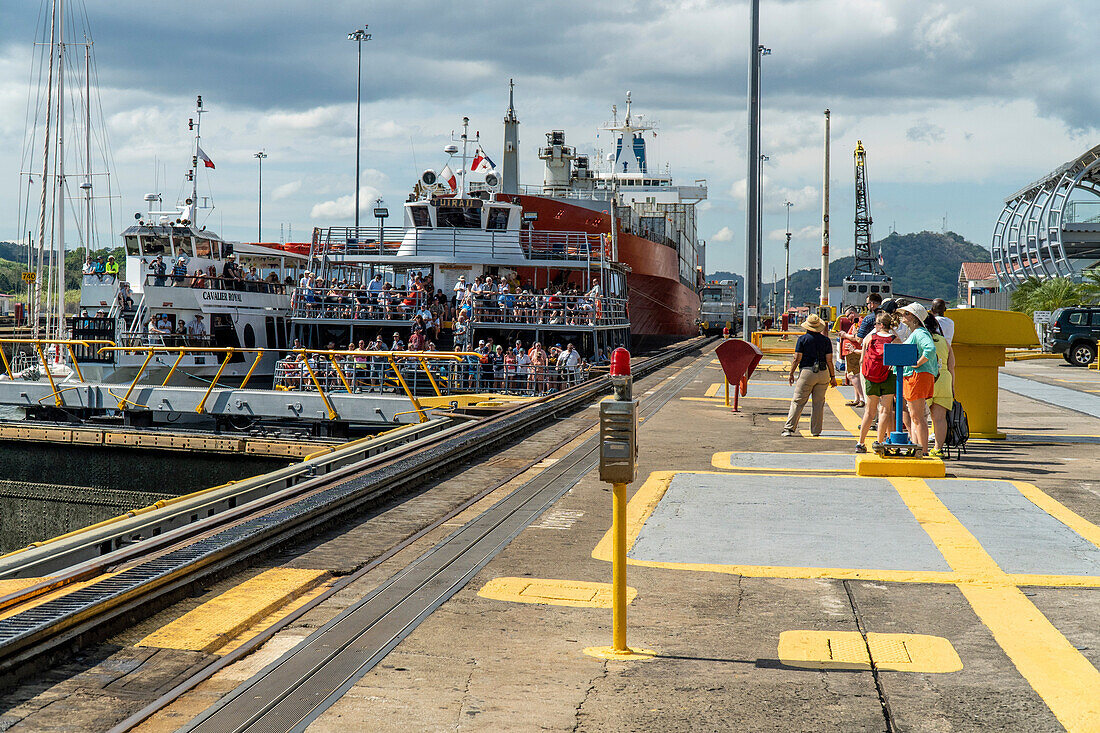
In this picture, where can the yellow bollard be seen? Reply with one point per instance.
(727, 391)
(981, 337)
(618, 569)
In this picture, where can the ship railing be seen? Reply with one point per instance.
(490, 245)
(312, 362)
(51, 355)
(361, 372)
(507, 309)
(201, 281)
(596, 194)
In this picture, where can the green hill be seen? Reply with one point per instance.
(924, 264)
(13, 261)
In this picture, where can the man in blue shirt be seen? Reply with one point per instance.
(874, 300)
(813, 365)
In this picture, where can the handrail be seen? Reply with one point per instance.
(421, 357)
(38, 344)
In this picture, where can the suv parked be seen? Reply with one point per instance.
(1074, 332)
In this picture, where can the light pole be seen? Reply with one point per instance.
(358, 36)
(787, 265)
(380, 213)
(260, 197)
(752, 198)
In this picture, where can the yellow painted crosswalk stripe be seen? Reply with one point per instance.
(1066, 681)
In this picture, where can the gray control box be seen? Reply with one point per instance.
(618, 441)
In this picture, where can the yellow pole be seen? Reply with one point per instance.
(49, 375)
(618, 568)
(202, 403)
(340, 373)
(4, 357)
(332, 415)
(126, 399)
(259, 355)
(424, 366)
(727, 391)
(76, 367)
(173, 369)
(408, 392)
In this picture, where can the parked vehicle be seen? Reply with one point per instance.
(1074, 333)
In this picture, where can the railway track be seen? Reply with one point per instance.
(147, 576)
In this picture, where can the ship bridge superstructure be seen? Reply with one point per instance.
(1045, 230)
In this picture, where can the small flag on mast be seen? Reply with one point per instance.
(447, 175)
(205, 158)
(481, 160)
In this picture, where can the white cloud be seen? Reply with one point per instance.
(343, 207)
(286, 190)
(801, 233)
(725, 234)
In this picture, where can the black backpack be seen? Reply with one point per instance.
(958, 430)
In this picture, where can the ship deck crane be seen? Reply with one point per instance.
(868, 275)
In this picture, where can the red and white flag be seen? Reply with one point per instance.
(481, 161)
(205, 158)
(447, 176)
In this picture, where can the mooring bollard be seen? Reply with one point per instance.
(618, 466)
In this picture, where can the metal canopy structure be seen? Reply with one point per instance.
(1040, 230)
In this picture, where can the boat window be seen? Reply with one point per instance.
(227, 249)
(215, 250)
(712, 296)
(155, 246)
(249, 336)
(132, 245)
(863, 288)
(202, 248)
(874, 288)
(498, 218)
(458, 216)
(420, 216)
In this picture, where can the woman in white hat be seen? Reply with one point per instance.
(919, 383)
(812, 373)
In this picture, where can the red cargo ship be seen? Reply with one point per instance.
(648, 222)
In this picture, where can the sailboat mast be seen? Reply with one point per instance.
(88, 146)
(59, 253)
(36, 307)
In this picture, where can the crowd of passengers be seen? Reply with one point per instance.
(497, 368)
(233, 276)
(483, 300)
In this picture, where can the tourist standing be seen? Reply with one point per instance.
(812, 373)
(879, 383)
(920, 380)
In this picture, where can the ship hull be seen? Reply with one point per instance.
(660, 304)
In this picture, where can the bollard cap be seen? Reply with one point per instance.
(620, 363)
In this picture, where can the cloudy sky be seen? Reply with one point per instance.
(958, 104)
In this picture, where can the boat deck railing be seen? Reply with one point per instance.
(465, 243)
(508, 309)
(357, 372)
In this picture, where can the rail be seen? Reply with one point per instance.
(359, 372)
(38, 345)
(197, 281)
(488, 245)
(519, 309)
(307, 357)
(233, 536)
(775, 342)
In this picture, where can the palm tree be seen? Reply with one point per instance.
(1091, 284)
(1050, 295)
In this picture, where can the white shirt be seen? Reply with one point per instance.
(460, 286)
(196, 327)
(375, 285)
(947, 326)
(569, 358)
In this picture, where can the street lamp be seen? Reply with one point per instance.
(260, 197)
(787, 266)
(380, 213)
(358, 36)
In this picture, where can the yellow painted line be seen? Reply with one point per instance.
(1059, 511)
(724, 460)
(712, 390)
(220, 619)
(1066, 681)
(722, 400)
(848, 650)
(646, 498)
(11, 585)
(552, 591)
(849, 419)
(59, 592)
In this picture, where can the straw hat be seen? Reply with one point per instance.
(814, 323)
(917, 310)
